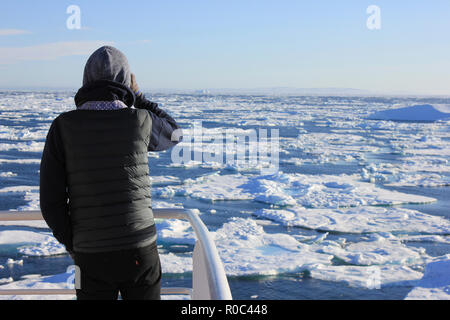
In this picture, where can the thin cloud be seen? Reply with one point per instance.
(136, 42)
(13, 32)
(49, 51)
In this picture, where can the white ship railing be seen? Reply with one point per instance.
(209, 281)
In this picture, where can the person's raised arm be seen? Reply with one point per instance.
(165, 131)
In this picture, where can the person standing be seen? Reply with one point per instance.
(95, 189)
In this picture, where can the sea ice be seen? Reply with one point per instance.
(334, 191)
(420, 171)
(435, 284)
(246, 249)
(6, 280)
(316, 191)
(176, 231)
(23, 236)
(49, 247)
(373, 277)
(172, 263)
(11, 262)
(420, 180)
(322, 202)
(379, 250)
(164, 180)
(8, 174)
(21, 161)
(19, 189)
(419, 143)
(35, 281)
(22, 133)
(363, 219)
(331, 147)
(210, 187)
(425, 238)
(29, 146)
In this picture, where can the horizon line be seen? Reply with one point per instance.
(338, 91)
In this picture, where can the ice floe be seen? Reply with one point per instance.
(164, 180)
(58, 281)
(176, 231)
(209, 187)
(6, 280)
(420, 143)
(246, 249)
(374, 277)
(11, 262)
(36, 281)
(378, 250)
(8, 174)
(435, 284)
(331, 147)
(363, 219)
(315, 191)
(422, 171)
(29, 146)
(172, 263)
(32, 243)
(21, 161)
(425, 238)
(19, 189)
(23, 236)
(49, 247)
(22, 133)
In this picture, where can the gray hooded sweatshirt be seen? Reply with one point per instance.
(107, 63)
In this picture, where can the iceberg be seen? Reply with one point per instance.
(426, 112)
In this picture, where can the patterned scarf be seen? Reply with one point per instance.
(103, 105)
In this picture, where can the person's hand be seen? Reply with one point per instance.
(134, 85)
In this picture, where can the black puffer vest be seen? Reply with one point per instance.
(108, 178)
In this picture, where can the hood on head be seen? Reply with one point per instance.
(107, 63)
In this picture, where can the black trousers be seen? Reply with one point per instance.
(135, 273)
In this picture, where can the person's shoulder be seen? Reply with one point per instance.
(66, 114)
(140, 117)
(141, 114)
(64, 118)
(138, 111)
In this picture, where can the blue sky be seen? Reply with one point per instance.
(233, 44)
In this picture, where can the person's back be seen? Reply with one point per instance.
(95, 185)
(108, 178)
